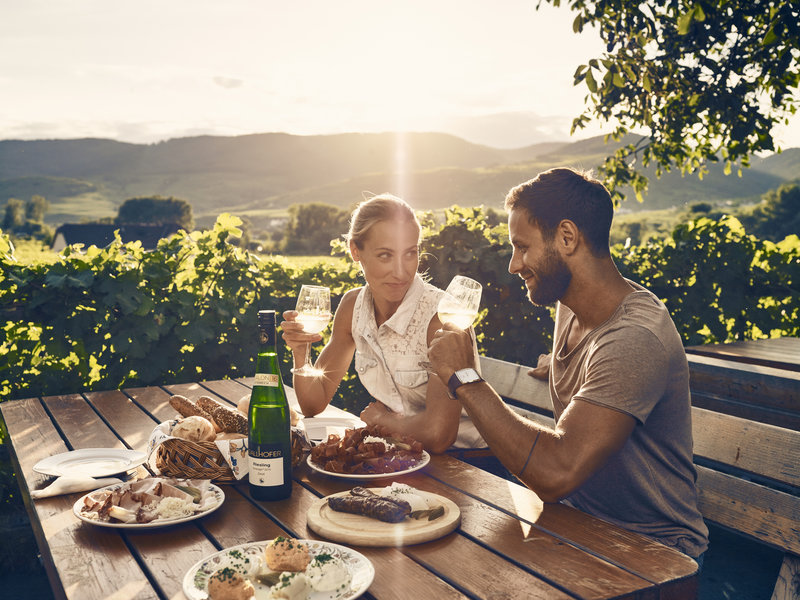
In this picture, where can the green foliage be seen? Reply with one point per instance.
(708, 80)
(26, 219)
(778, 214)
(120, 316)
(36, 208)
(311, 228)
(14, 216)
(156, 210)
(719, 283)
(469, 243)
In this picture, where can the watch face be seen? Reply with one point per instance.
(461, 377)
(467, 375)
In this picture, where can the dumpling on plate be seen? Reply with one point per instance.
(290, 586)
(229, 584)
(327, 573)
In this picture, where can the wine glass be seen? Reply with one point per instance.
(460, 303)
(314, 313)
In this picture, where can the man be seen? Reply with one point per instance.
(621, 448)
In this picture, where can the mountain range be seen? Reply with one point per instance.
(258, 176)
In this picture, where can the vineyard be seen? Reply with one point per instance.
(122, 316)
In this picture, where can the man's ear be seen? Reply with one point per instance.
(568, 236)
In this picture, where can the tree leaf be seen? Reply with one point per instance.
(684, 21)
(590, 82)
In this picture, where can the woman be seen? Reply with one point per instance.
(387, 325)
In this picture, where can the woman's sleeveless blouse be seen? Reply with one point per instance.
(388, 357)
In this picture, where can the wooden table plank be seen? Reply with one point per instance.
(68, 547)
(780, 353)
(639, 555)
(80, 424)
(154, 400)
(230, 389)
(126, 418)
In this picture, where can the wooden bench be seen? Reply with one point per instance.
(748, 472)
(751, 391)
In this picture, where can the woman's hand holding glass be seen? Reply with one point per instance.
(314, 314)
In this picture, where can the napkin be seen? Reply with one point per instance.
(69, 484)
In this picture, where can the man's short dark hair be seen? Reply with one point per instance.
(563, 193)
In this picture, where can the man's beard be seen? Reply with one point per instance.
(551, 277)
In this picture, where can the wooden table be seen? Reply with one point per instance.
(778, 353)
(509, 545)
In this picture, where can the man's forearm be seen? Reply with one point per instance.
(508, 434)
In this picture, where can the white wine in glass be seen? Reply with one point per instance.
(461, 301)
(314, 313)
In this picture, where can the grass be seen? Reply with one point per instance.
(33, 251)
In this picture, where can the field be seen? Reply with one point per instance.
(32, 251)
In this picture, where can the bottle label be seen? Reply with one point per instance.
(266, 379)
(266, 466)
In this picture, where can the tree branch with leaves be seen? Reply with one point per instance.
(700, 81)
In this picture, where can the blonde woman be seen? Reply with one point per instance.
(387, 325)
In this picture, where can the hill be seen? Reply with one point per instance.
(260, 175)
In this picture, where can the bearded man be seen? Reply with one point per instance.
(621, 447)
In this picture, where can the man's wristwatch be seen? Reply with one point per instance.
(461, 377)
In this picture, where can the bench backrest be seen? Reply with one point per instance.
(748, 473)
(754, 392)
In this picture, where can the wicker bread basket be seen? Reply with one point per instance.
(194, 460)
(176, 457)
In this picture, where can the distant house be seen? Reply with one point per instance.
(101, 235)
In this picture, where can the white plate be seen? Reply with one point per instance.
(318, 428)
(246, 557)
(219, 497)
(93, 462)
(426, 458)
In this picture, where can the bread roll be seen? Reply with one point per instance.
(194, 429)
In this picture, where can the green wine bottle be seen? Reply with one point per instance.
(268, 421)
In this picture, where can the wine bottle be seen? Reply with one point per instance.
(268, 421)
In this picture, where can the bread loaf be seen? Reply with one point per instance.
(229, 419)
(187, 408)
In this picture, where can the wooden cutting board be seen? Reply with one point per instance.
(358, 530)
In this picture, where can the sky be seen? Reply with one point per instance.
(496, 73)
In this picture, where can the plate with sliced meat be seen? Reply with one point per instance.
(149, 503)
(364, 453)
(397, 515)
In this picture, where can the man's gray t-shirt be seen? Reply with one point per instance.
(635, 363)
